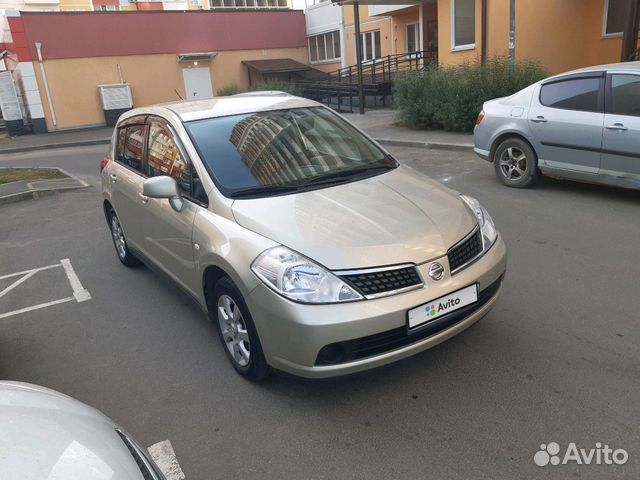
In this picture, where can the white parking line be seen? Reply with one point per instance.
(36, 307)
(80, 294)
(165, 458)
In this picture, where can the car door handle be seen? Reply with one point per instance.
(617, 127)
(143, 198)
(114, 178)
(539, 119)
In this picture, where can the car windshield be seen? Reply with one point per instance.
(284, 151)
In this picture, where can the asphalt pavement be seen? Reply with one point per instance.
(557, 360)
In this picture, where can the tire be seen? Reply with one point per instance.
(238, 334)
(120, 243)
(516, 163)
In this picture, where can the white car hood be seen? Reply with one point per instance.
(45, 435)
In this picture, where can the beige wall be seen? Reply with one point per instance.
(74, 82)
(327, 66)
(561, 35)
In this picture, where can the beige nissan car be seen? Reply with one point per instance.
(314, 251)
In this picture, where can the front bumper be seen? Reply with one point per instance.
(293, 334)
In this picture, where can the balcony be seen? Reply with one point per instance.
(250, 4)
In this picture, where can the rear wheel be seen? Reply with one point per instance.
(120, 242)
(516, 163)
(237, 331)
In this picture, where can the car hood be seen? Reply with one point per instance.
(48, 435)
(399, 217)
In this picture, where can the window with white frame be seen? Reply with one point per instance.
(615, 16)
(370, 45)
(464, 23)
(324, 47)
(412, 41)
(107, 8)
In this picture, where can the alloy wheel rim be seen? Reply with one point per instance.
(118, 237)
(234, 330)
(513, 163)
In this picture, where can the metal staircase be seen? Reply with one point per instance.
(339, 89)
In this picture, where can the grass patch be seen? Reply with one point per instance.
(8, 175)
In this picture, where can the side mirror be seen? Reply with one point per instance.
(163, 187)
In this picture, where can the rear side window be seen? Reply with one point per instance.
(625, 95)
(131, 147)
(580, 94)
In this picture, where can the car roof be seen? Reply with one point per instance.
(46, 434)
(242, 103)
(626, 66)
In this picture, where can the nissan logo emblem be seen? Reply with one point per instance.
(436, 271)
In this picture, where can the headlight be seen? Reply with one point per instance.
(299, 279)
(487, 227)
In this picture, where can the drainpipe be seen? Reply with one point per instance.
(343, 40)
(356, 18)
(512, 32)
(421, 30)
(483, 52)
(46, 84)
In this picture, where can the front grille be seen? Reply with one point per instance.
(462, 253)
(377, 282)
(379, 343)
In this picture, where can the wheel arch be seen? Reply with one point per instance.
(107, 207)
(210, 276)
(506, 135)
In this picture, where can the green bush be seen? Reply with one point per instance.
(228, 90)
(280, 86)
(450, 98)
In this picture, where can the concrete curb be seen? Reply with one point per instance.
(462, 147)
(34, 148)
(35, 194)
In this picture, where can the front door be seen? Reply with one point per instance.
(167, 232)
(197, 83)
(126, 177)
(621, 141)
(566, 118)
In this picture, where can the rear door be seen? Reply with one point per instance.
(167, 232)
(621, 142)
(126, 176)
(566, 118)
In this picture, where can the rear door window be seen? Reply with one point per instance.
(581, 94)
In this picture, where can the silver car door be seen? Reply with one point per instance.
(167, 232)
(621, 142)
(126, 176)
(566, 118)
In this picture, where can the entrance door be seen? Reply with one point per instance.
(197, 83)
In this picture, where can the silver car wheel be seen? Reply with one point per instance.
(513, 163)
(234, 330)
(118, 237)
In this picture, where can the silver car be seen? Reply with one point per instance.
(48, 435)
(312, 249)
(582, 125)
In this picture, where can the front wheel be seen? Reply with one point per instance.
(237, 331)
(516, 163)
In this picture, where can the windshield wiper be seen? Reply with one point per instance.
(260, 190)
(342, 174)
